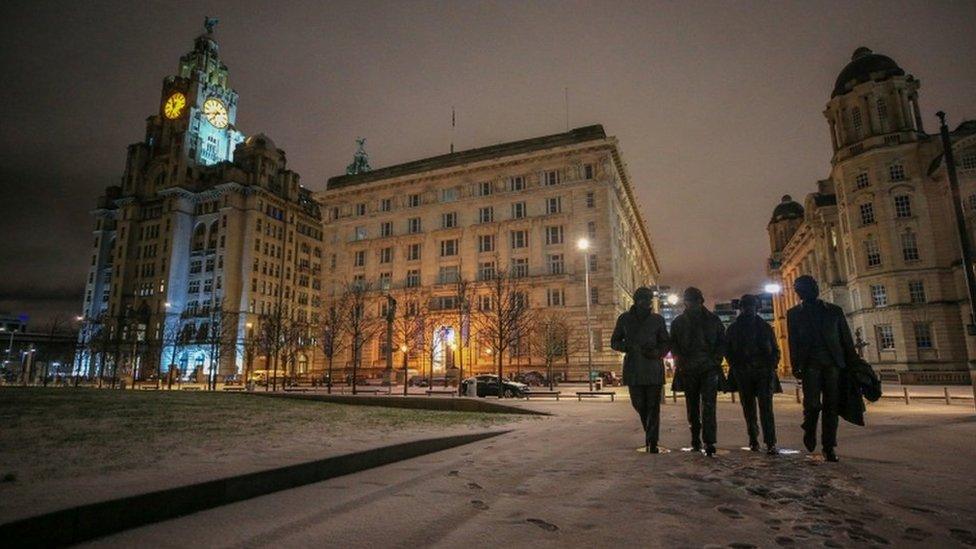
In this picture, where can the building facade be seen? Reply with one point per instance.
(206, 235)
(879, 232)
(520, 208)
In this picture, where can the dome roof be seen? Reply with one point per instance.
(864, 63)
(787, 209)
(259, 140)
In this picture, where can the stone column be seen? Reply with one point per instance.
(918, 115)
(903, 111)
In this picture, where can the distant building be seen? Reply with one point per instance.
(517, 207)
(12, 323)
(879, 232)
(206, 234)
(31, 354)
(728, 310)
(668, 303)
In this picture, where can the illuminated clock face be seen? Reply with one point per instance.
(216, 112)
(173, 108)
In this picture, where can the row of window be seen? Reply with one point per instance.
(450, 220)
(555, 264)
(922, 332)
(555, 297)
(896, 173)
(519, 239)
(857, 122)
(879, 294)
(452, 194)
(872, 251)
(902, 204)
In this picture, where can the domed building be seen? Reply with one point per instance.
(879, 233)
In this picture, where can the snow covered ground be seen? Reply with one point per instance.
(576, 479)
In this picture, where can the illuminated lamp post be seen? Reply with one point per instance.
(584, 246)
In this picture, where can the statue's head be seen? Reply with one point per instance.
(693, 298)
(643, 297)
(806, 288)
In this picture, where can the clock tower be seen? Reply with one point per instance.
(195, 124)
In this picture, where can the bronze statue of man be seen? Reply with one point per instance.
(642, 335)
(820, 346)
(698, 346)
(753, 355)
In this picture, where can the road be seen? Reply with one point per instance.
(576, 479)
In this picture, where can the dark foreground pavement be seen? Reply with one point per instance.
(576, 480)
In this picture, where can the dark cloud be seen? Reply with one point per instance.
(717, 105)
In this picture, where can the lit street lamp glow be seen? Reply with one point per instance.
(772, 288)
(673, 299)
(583, 244)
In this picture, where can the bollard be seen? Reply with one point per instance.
(733, 396)
(664, 395)
(674, 396)
(947, 397)
(907, 401)
(798, 401)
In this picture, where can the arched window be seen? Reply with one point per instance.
(199, 237)
(903, 205)
(909, 246)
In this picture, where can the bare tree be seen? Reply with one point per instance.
(174, 338)
(57, 351)
(503, 316)
(332, 333)
(409, 328)
(361, 323)
(296, 340)
(249, 347)
(552, 337)
(463, 294)
(218, 335)
(271, 340)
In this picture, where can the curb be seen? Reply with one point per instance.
(458, 404)
(85, 522)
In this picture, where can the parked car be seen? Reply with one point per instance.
(532, 379)
(487, 385)
(418, 381)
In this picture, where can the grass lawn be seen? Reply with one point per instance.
(47, 434)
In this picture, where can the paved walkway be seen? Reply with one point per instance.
(576, 479)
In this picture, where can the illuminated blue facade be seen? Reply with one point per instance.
(206, 232)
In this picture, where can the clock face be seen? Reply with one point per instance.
(216, 112)
(173, 108)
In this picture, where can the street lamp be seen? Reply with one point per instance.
(772, 288)
(584, 246)
(403, 350)
(673, 299)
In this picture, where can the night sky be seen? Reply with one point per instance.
(717, 105)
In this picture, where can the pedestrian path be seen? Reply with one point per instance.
(576, 479)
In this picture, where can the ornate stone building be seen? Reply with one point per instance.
(517, 207)
(879, 233)
(205, 232)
